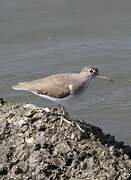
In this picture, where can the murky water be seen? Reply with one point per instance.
(43, 37)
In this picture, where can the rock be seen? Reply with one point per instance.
(3, 169)
(34, 145)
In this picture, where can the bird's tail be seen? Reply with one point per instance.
(21, 86)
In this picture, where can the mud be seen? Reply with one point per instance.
(36, 144)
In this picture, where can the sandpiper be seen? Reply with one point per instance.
(62, 86)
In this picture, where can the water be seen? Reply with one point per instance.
(39, 38)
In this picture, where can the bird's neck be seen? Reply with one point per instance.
(88, 80)
(86, 76)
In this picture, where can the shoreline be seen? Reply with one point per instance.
(36, 144)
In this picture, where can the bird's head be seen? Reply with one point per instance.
(93, 72)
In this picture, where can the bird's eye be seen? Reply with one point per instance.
(91, 71)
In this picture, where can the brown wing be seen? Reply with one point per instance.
(54, 86)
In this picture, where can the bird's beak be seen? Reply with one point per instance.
(101, 76)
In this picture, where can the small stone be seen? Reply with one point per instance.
(24, 128)
(46, 109)
(63, 147)
(3, 170)
(29, 140)
(84, 165)
(32, 106)
(2, 101)
(68, 161)
(18, 170)
(21, 122)
(72, 136)
(30, 113)
(82, 156)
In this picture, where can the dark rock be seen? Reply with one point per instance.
(34, 145)
(82, 155)
(37, 147)
(3, 169)
(2, 101)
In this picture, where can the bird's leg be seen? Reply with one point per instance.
(64, 115)
(61, 108)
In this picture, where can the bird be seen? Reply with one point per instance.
(63, 86)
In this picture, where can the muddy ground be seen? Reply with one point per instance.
(45, 144)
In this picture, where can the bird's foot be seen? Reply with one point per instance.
(80, 127)
(65, 117)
